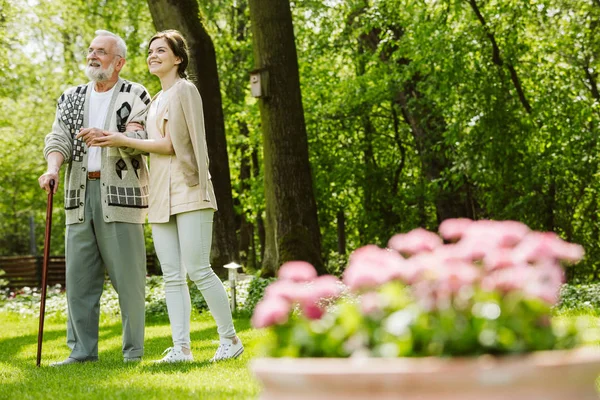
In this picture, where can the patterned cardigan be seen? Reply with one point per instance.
(124, 174)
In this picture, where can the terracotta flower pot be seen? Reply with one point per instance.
(548, 375)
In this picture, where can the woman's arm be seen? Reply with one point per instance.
(189, 137)
(116, 139)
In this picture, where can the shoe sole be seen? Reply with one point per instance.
(236, 355)
(62, 363)
(239, 353)
(171, 362)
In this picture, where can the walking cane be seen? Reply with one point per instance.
(45, 272)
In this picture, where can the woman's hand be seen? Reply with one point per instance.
(134, 126)
(110, 139)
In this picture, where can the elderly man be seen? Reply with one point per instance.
(106, 198)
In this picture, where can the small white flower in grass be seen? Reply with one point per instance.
(590, 336)
(357, 345)
(324, 324)
(399, 322)
(388, 350)
(487, 310)
(487, 337)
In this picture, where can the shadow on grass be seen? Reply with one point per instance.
(116, 380)
(111, 378)
(14, 345)
(203, 340)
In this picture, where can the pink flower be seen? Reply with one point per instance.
(415, 241)
(369, 303)
(454, 228)
(546, 294)
(507, 279)
(312, 310)
(417, 266)
(271, 311)
(288, 290)
(371, 266)
(456, 274)
(326, 286)
(473, 248)
(297, 271)
(499, 258)
(538, 246)
(442, 280)
(426, 295)
(512, 232)
(486, 235)
(310, 295)
(545, 281)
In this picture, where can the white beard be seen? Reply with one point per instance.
(96, 74)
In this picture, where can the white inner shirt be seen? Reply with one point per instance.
(99, 102)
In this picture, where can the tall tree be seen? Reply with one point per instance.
(292, 229)
(184, 16)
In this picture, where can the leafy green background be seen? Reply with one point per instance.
(502, 129)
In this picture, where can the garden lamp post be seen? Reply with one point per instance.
(232, 275)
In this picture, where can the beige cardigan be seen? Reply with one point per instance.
(124, 172)
(181, 182)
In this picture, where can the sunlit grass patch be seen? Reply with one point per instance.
(110, 377)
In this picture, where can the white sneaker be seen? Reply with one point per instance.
(228, 348)
(175, 354)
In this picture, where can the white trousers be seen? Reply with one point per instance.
(183, 245)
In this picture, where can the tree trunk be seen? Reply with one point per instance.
(260, 223)
(427, 127)
(236, 91)
(246, 228)
(292, 230)
(184, 16)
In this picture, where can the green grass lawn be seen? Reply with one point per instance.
(110, 378)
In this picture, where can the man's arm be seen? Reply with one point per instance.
(57, 150)
(55, 161)
(137, 121)
(59, 140)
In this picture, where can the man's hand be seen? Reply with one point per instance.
(45, 180)
(111, 139)
(89, 134)
(55, 160)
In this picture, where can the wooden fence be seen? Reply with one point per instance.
(24, 271)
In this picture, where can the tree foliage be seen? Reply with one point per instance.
(46, 43)
(415, 111)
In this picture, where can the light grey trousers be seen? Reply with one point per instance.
(183, 245)
(92, 247)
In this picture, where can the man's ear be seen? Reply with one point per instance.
(120, 64)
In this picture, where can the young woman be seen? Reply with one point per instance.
(181, 199)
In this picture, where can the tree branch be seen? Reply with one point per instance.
(515, 79)
(592, 82)
(495, 49)
(497, 59)
(398, 141)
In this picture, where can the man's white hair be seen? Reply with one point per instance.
(121, 46)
